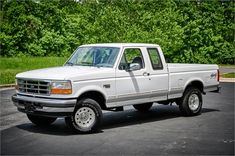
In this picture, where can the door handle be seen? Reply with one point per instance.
(146, 74)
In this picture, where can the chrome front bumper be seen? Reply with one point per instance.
(44, 106)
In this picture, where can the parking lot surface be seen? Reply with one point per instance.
(161, 131)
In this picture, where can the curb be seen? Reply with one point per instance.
(227, 79)
(7, 86)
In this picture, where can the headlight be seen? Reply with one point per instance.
(61, 87)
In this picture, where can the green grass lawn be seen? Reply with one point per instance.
(9, 67)
(228, 75)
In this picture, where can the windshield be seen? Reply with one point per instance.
(94, 56)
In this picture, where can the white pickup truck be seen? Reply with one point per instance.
(107, 77)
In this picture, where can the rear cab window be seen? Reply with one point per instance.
(155, 58)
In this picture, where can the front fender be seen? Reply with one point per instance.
(85, 89)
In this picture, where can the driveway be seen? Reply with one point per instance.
(161, 131)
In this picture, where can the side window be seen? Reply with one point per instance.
(131, 55)
(155, 58)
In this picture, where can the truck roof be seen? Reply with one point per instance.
(120, 45)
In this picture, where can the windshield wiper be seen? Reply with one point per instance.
(86, 64)
(103, 65)
(69, 63)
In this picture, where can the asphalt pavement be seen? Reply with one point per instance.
(161, 131)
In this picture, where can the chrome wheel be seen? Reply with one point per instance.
(85, 117)
(193, 102)
(190, 103)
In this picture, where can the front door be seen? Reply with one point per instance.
(132, 87)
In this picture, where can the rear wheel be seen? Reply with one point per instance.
(191, 102)
(143, 107)
(86, 117)
(41, 120)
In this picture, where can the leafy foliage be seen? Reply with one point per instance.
(195, 31)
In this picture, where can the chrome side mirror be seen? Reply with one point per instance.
(133, 67)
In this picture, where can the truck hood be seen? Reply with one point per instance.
(68, 73)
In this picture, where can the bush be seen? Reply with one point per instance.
(188, 31)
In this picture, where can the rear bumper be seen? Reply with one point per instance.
(217, 90)
(212, 88)
(44, 106)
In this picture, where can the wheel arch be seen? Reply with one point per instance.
(195, 83)
(95, 95)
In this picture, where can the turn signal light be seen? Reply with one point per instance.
(61, 87)
(61, 91)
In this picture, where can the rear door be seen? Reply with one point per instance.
(158, 74)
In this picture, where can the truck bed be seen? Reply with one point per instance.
(180, 75)
(178, 67)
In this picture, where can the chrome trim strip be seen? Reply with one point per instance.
(160, 93)
(177, 88)
(54, 110)
(178, 91)
(45, 102)
(47, 109)
(128, 97)
(133, 94)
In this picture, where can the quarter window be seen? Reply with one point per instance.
(155, 58)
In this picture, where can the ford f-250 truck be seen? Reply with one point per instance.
(108, 77)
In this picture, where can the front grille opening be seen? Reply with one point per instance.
(34, 86)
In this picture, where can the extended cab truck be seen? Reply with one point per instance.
(107, 77)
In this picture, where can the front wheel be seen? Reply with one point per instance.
(191, 102)
(41, 120)
(86, 117)
(143, 107)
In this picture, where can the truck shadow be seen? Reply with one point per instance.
(114, 120)
(132, 117)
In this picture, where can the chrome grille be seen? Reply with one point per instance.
(34, 86)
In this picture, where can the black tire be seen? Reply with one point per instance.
(86, 117)
(143, 107)
(191, 102)
(40, 120)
